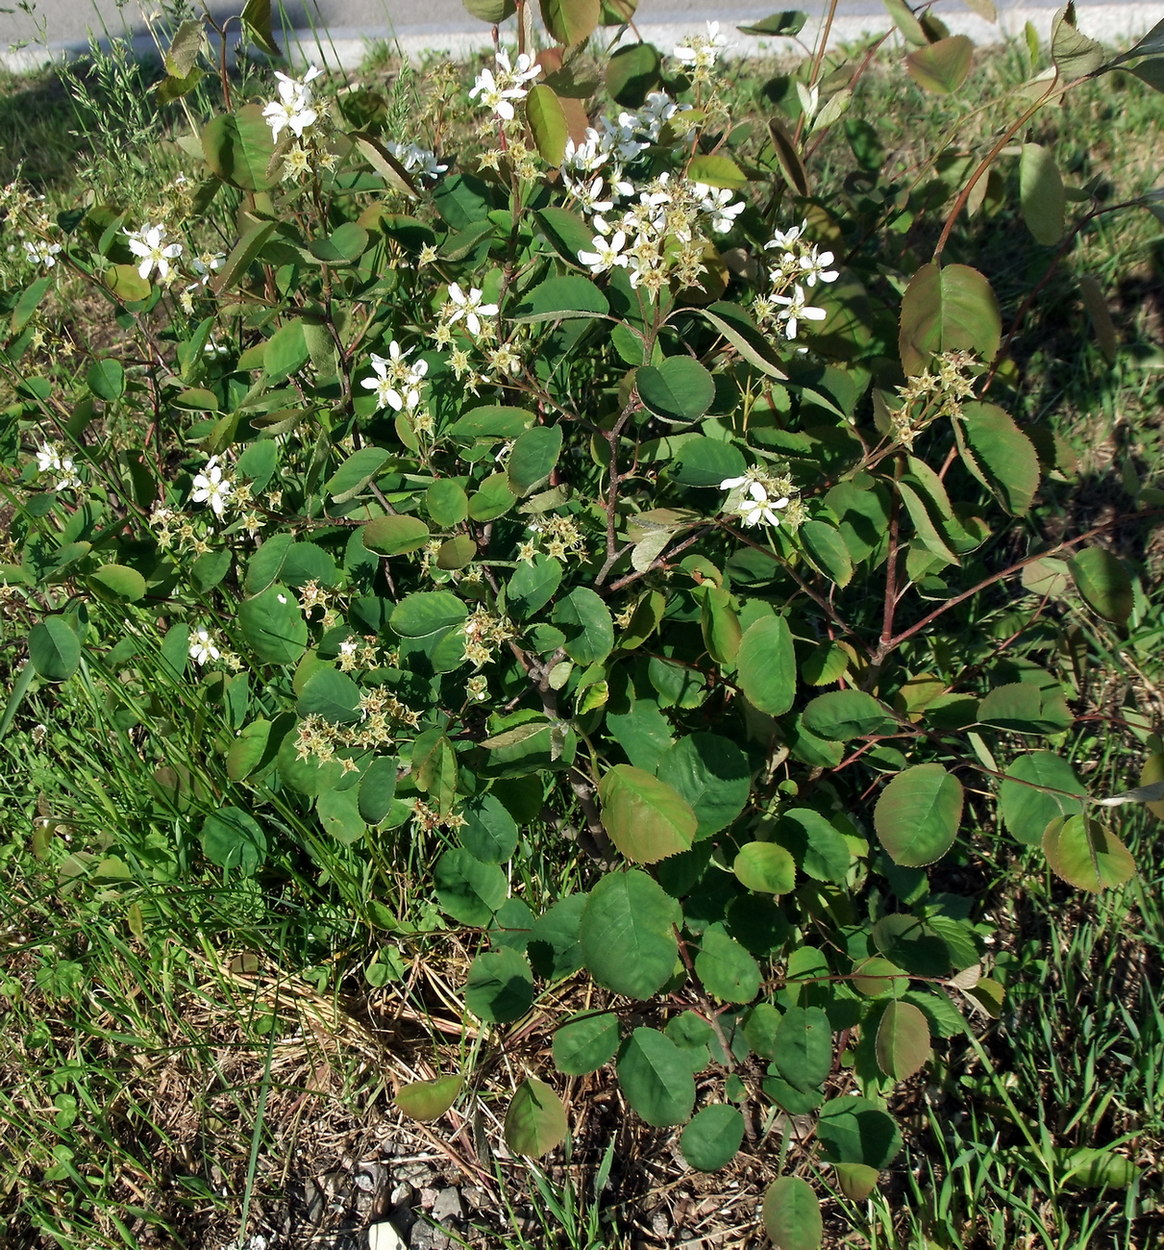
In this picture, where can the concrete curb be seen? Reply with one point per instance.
(345, 48)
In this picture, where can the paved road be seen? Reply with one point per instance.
(342, 27)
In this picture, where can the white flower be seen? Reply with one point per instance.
(413, 157)
(700, 52)
(589, 196)
(149, 243)
(584, 158)
(786, 240)
(397, 383)
(202, 648)
(607, 253)
(498, 91)
(715, 202)
(41, 253)
(813, 267)
(469, 306)
(760, 511)
(795, 309)
(49, 459)
(212, 487)
(293, 109)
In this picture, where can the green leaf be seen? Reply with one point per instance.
(655, 1078)
(344, 246)
(427, 612)
(1043, 200)
(500, 986)
(942, 66)
(1074, 55)
(1087, 855)
(118, 582)
(903, 1041)
(273, 625)
(547, 123)
(559, 299)
(395, 535)
(712, 775)
(492, 11)
(1027, 810)
(467, 889)
(532, 585)
(1104, 582)
(917, 815)
(726, 969)
(854, 1130)
(535, 1123)
(711, 1139)
(841, 715)
(766, 665)
(429, 1100)
(765, 867)
(106, 379)
(238, 148)
(948, 309)
(256, 17)
(489, 832)
(586, 621)
(555, 948)
(741, 332)
(54, 649)
(628, 934)
(645, 818)
(447, 503)
(330, 694)
(1001, 456)
(357, 471)
(492, 421)
(701, 461)
(233, 839)
(570, 21)
(632, 71)
(815, 843)
(717, 171)
(826, 551)
(792, 1216)
(780, 25)
(533, 458)
(585, 1042)
(856, 1181)
(251, 242)
(804, 1047)
(377, 790)
(679, 389)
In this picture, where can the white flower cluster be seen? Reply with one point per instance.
(757, 497)
(701, 52)
(661, 225)
(416, 159)
(396, 382)
(498, 91)
(660, 231)
(151, 246)
(799, 264)
(295, 109)
(51, 460)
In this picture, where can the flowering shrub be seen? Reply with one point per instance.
(603, 485)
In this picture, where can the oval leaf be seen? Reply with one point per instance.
(536, 1120)
(917, 815)
(646, 819)
(1086, 855)
(792, 1216)
(903, 1041)
(628, 934)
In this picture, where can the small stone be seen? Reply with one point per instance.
(426, 1236)
(402, 1195)
(448, 1206)
(384, 1236)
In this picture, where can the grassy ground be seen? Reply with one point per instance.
(182, 1060)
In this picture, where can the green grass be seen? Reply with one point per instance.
(173, 1040)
